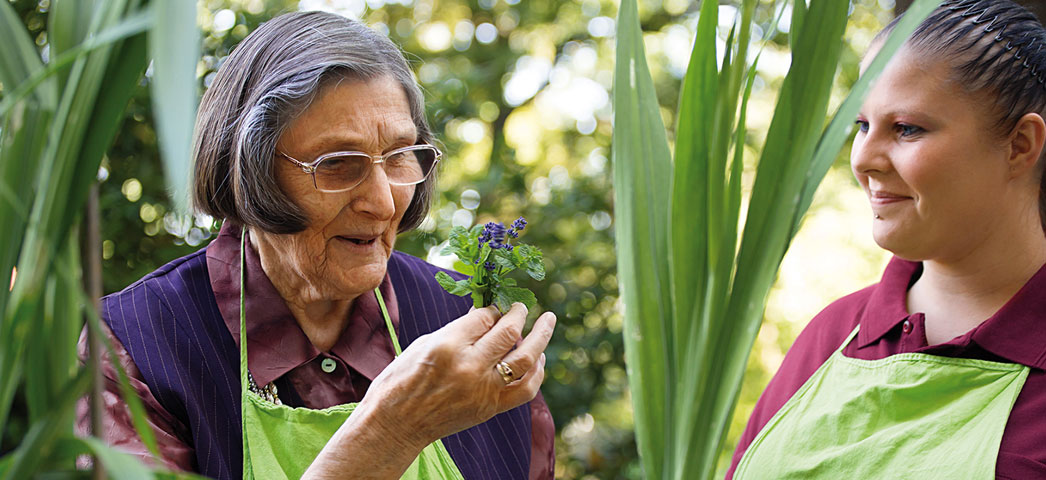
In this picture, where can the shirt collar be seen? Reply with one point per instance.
(888, 304)
(275, 342)
(1017, 332)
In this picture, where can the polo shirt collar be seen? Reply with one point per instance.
(275, 342)
(1017, 332)
(887, 306)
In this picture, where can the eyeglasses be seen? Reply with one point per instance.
(341, 171)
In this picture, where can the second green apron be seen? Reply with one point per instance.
(280, 442)
(906, 416)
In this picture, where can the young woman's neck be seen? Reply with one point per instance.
(958, 294)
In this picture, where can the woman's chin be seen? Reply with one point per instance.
(903, 246)
(357, 279)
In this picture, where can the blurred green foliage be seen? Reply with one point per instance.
(518, 93)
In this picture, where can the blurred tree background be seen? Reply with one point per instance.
(518, 94)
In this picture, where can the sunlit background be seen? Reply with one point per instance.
(518, 92)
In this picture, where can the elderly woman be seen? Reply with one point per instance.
(275, 351)
(939, 370)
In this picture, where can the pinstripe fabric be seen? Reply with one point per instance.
(171, 327)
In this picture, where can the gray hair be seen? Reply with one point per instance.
(268, 80)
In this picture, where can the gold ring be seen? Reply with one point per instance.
(505, 371)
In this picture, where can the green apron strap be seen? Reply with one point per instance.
(388, 322)
(839, 351)
(243, 353)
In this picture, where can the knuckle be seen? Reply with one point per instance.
(439, 353)
(487, 316)
(526, 359)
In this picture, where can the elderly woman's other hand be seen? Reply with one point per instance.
(443, 383)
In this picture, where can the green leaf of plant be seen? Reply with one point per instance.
(456, 287)
(174, 43)
(19, 59)
(118, 465)
(505, 296)
(504, 260)
(642, 170)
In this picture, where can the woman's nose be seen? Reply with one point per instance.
(374, 195)
(868, 154)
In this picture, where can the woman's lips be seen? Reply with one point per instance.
(357, 243)
(886, 198)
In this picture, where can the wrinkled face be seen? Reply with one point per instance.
(926, 155)
(350, 235)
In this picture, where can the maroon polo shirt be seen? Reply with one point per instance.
(278, 350)
(1016, 334)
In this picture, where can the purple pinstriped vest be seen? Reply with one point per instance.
(170, 325)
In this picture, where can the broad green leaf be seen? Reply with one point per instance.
(642, 178)
(174, 43)
(19, 59)
(505, 296)
(128, 27)
(455, 287)
(536, 269)
(691, 207)
(504, 260)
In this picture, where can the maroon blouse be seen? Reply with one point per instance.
(318, 379)
(1016, 334)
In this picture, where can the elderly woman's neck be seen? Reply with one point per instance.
(322, 315)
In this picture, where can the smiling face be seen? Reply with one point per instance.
(934, 169)
(344, 250)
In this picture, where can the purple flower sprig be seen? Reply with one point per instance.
(487, 255)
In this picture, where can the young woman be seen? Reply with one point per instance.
(937, 371)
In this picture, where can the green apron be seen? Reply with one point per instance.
(907, 416)
(280, 442)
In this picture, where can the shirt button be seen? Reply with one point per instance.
(328, 365)
(907, 327)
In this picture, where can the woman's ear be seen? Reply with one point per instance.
(1026, 144)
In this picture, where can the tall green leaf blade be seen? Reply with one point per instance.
(125, 68)
(791, 139)
(19, 58)
(128, 27)
(689, 209)
(642, 176)
(174, 44)
(54, 209)
(68, 25)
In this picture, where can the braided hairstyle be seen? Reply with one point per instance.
(995, 48)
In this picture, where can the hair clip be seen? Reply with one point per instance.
(991, 25)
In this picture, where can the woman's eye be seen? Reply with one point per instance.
(908, 130)
(862, 125)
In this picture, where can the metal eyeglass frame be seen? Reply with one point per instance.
(310, 167)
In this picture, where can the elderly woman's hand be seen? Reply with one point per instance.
(443, 382)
